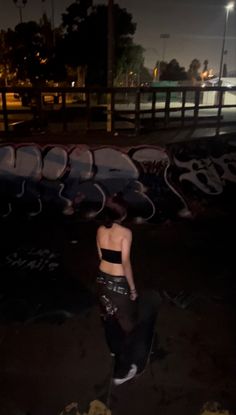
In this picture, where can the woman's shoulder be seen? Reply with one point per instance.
(124, 230)
(100, 229)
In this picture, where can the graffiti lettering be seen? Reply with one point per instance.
(227, 162)
(78, 179)
(34, 259)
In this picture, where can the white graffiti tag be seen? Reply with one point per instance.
(227, 162)
(155, 161)
(202, 173)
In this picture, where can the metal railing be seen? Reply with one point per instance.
(135, 108)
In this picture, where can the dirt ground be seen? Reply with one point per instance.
(53, 360)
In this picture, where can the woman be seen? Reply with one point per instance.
(116, 288)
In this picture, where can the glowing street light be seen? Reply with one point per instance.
(228, 8)
(20, 4)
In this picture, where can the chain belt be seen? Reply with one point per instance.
(114, 285)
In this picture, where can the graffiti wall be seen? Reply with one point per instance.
(156, 183)
(205, 174)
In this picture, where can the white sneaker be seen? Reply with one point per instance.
(131, 374)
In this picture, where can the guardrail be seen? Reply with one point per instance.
(113, 108)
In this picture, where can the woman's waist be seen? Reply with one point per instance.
(115, 283)
(115, 270)
(111, 280)
(115, 278)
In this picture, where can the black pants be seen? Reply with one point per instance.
(128, 324)
(119, 318)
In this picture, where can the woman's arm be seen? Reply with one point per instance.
(98, 247)
(126, 246)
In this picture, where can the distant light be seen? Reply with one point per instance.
(211, 74)
(203, 85)
(73, 83)
(230, 6)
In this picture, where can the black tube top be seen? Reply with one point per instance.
(111, 256)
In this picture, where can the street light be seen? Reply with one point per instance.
(228, 8)
(21, 4)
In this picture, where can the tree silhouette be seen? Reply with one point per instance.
(27, 50)
(172, 71)
(205, 65)
(85, 39)
(131, 61)
(193, 72)
(40, 52)
(5, 59)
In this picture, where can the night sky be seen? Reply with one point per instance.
(195, 27)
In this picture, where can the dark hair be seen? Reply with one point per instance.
(114, 210)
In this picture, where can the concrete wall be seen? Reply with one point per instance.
(156, 183)
(210, 97)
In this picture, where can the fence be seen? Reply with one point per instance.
(114, 108)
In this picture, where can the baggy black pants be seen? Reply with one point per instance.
(119, 318)
(129, 325)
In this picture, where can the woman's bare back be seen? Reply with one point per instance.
(116, 238)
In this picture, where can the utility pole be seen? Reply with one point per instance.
(228, 9)
(110, 45)
(110, 61)
(164, 36)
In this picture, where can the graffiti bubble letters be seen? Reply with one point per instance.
(77, 179)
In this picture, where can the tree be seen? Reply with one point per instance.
(85, 39)
(131, 60)
(145, 75)
(193, 72)
(172, 71)
(5, 63)
(205, 65)
(32, 51)
(54, 66)
(40, 52)
(27, 50)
